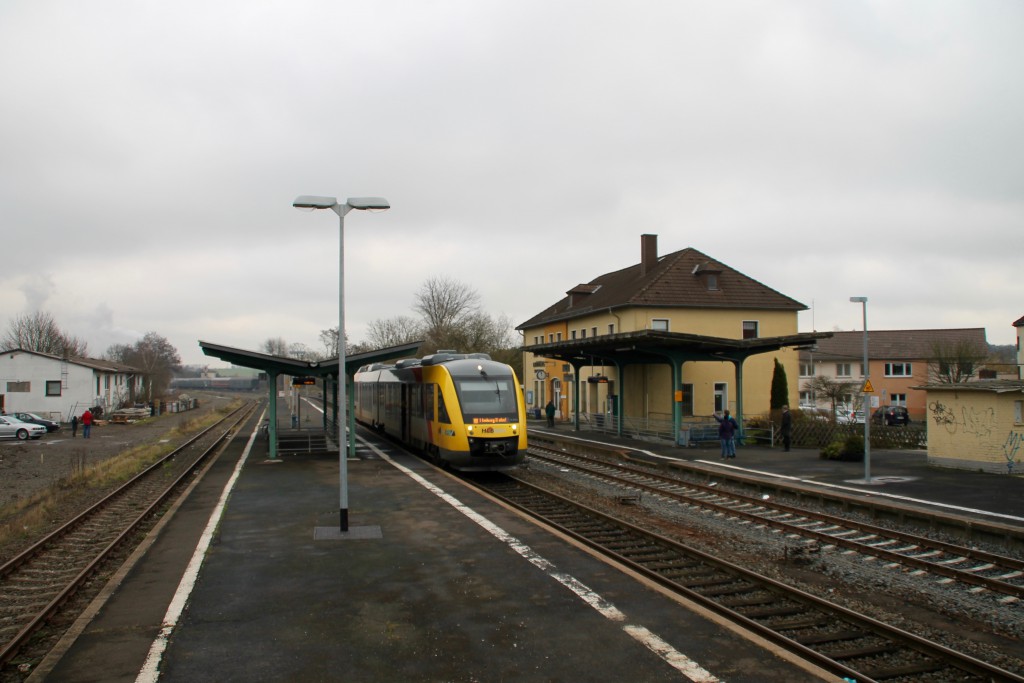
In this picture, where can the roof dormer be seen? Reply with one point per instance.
(708, 274)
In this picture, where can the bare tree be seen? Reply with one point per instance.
(329, 340)
(275, 346)
(393, 331)
(957, 361)
(444, 304)
(300, 351)
(835, 391)
(154, 356)
(39, 332)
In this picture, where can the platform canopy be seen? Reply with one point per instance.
(282, 365)
(672, 348)
(326, 370)
(653, 346)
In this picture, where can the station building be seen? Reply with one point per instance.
(612, 346)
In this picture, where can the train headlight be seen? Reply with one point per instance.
(469, 430)
(515, 429)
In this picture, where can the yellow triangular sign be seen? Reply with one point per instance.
(868, 389)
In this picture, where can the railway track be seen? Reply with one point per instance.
(968, 567)
(38, 585)
(837, 639)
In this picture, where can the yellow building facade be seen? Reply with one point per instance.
(685, 292)
(977, 425)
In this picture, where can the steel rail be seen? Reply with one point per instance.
(994, 584)
(12, 647)
(926, 648)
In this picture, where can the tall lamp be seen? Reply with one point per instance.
(863, 301)
(362, 204)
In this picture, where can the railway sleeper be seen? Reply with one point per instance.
(830, 637)
(720, 594)
(813, 621)
(910, 669)
(785, 610)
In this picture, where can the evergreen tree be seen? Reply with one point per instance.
(780, 387)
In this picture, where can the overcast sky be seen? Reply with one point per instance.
(150, 153)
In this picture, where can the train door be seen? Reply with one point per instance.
(405, 413)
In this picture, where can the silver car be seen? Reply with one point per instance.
(13, 428)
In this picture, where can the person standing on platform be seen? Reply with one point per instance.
(86, 424)
(727, 427)
(549, 410)
(74, 426)
(787, 428)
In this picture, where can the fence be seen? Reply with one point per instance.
(757, 431)
(694, 431)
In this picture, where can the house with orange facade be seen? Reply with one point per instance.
(898, 360)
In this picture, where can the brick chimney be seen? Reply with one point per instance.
(648, 253)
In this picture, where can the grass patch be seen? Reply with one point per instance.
(33, 515)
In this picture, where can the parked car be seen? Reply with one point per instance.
(50, 425)
(13, 428)
(891, 415)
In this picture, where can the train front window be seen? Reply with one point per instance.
(483, 397)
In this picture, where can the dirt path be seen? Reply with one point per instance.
(29, 466)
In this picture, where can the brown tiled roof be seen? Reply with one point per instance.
(996, 386)
(673, 282)
(1019, 322)
(895, 344)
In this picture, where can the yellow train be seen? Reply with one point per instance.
(463, 411)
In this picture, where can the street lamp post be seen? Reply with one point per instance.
(863, 301)
(362, 204)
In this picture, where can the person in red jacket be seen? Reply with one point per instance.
(86, 424)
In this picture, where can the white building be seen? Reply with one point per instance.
(58, 388)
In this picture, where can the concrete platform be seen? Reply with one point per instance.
(433, 582)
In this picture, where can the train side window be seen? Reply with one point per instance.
(428, 400)
(442, 410)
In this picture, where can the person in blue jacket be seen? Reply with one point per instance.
(727, 428)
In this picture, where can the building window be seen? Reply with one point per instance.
(53, 387)
(536, 340)
(898, 400)
(686, 406)
(807, 369)
(843, 370)
(583, 333)
(573, 334)
(750, 329)
(1018, 412)
(806, 398)
(19, 387)
(898, 369)
(611, 328)
(593, 331)
(558, 337)
(712, 281)
(659, 324)
(551, 338)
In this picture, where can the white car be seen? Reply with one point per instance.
(13, 428)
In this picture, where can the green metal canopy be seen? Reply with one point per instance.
(324, 369)
(674, 348)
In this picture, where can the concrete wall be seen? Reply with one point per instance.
(977, 430)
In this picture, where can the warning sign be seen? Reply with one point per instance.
(868, 389)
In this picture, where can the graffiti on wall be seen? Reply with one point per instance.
(1011, 449)
(980, 423)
